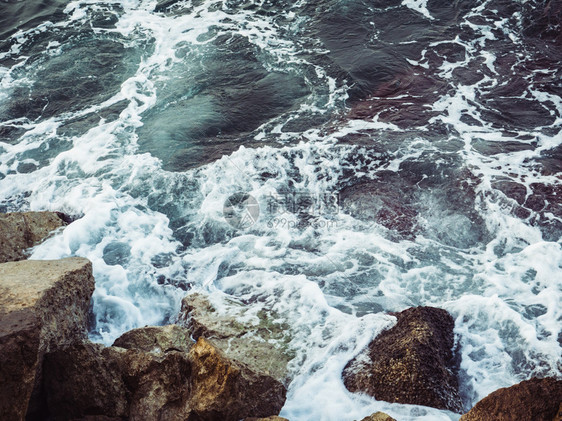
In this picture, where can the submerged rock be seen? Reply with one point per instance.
(22, 230)
(535, 399)
(43, 306)
(391, 204)
(262, 344)
(145, 382)
(378, 416)
(411, 363)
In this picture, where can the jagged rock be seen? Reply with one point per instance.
(223, 389)
(22, 230)
(535, 399)
(156, 339)
(378, 416)
(262, 344)
(90, 380)
(411, 363)
(43, 306)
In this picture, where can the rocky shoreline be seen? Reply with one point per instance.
(203, 368)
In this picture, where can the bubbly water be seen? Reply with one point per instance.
(395, 154)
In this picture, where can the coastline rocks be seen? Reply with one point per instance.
(228, 390)
(411, 363)
(262, 344)
(535, 399)
(156, 339)
(90, 380)
(165, 382)
(22, 230)
(43, 306)
(84, 379)
(272, 418)
(378, 416)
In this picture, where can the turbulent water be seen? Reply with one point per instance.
(389, 153)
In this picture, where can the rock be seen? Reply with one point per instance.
(262, 344)
(43, 306)
(22, 230)
(411, 363)
(272, 418)
(85, 380)
(90, 380)
(228, 390)
(156, 339)
(388, 201)
(535, 399)
(378, 416)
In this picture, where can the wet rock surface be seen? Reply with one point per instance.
(22, 230)
(535, 399)
(249, 343)
(434, 198)
(43, 306)
(411, 363)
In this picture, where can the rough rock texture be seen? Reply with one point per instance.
(272, 418)
(156, 339)
(21, 230)
(90, 380)
(261, 345)
(410, 363)
(535, 399)
(85, 379)
(378, 416)
(43, 305)
(223, 389)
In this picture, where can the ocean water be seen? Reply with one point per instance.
(323, 161)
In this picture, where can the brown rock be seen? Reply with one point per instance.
(22, 230)
(89, 380)
(263, 346)
(533, 400)
(156, 339)
(378, 416)
(85, 380)
(411, 363)
(228, 390)
(43, 306)
(272, 418)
